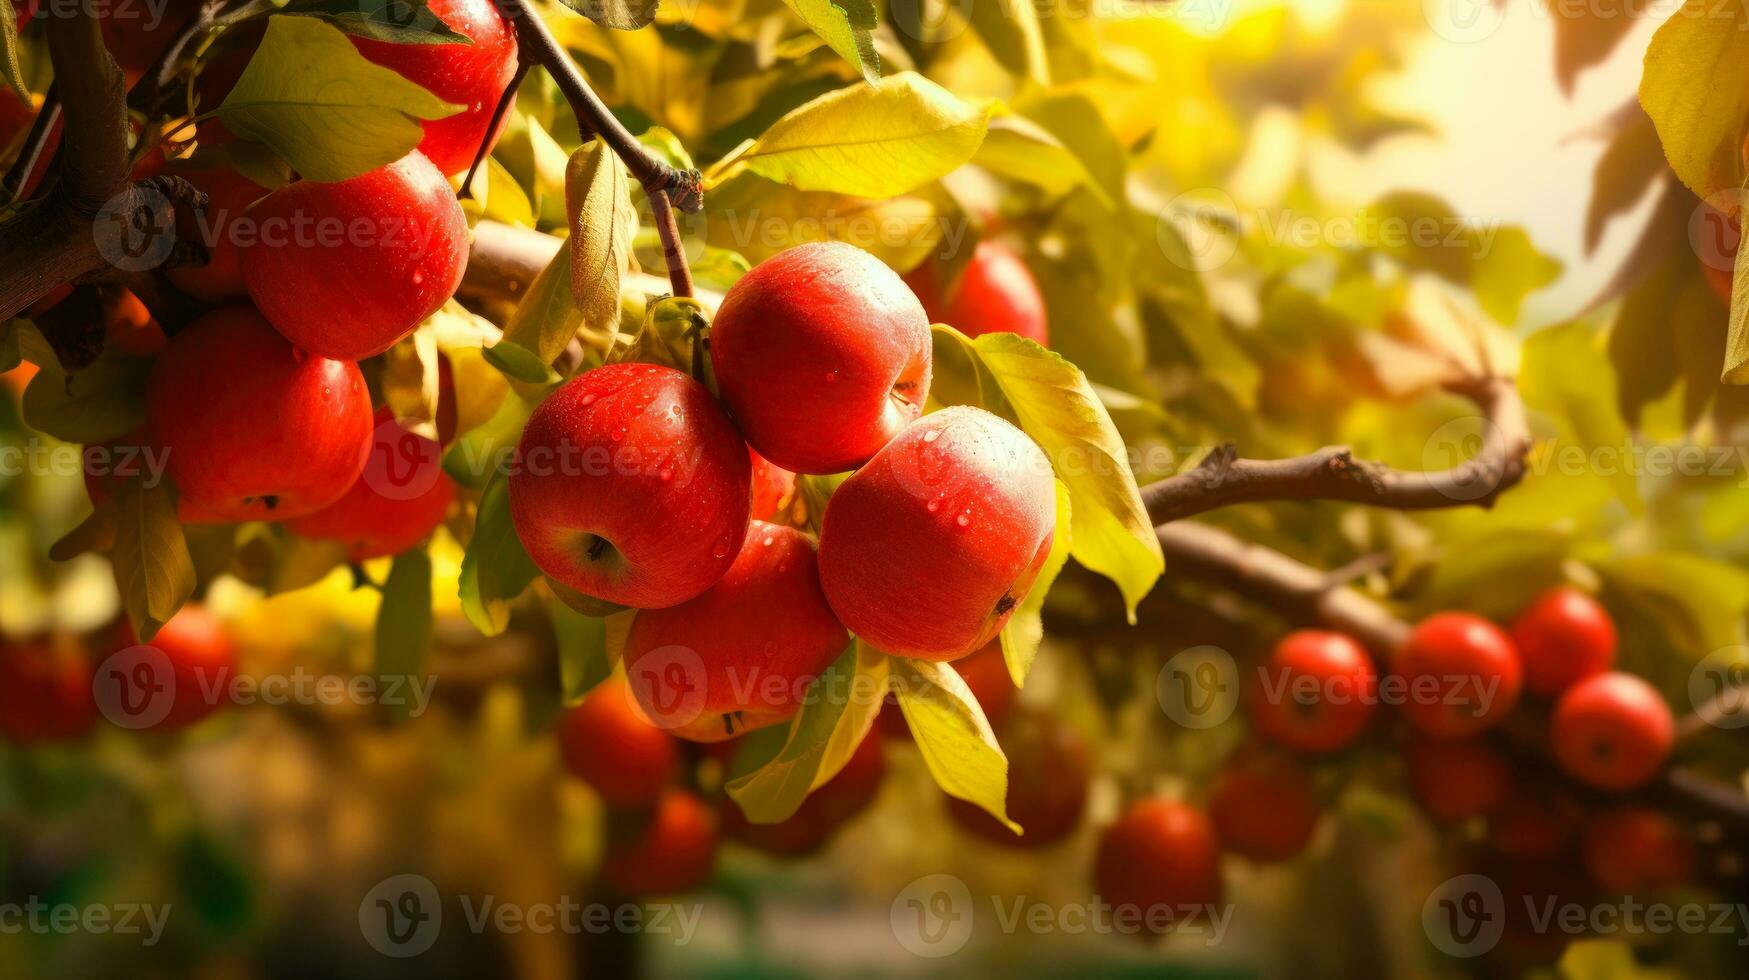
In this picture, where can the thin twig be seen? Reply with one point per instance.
(42, 129)
(505, 101)
(679, 273)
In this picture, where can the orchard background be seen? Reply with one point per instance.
(1316, 518)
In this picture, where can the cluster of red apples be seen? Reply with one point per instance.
(259, 404)
(1459, 677)
(634, 487)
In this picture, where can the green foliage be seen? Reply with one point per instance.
(310, 96)
(954, 736)
(153, 570)
(404, 625)
(1696, 89)
(1026, 627)
(847, 26)
(394, 21)
(101, 401)
(599, 200)
(495, 569)
(619, 15)
(585, 658)
(10, 70)
(840, 698)
(518, 363)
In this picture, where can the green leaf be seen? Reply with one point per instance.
(847, 27)
(302, 562)
(1696, 89)
(1026, 628)
(953, 735)
(518, 363)
(310, 96)
(20, 341)
(99, 402)
(538, 164)
(1053, 402)
(9, 66)
(1020, 149)
(1076, 122)
(598, 196)
(1508, 271)
(496, 195)
(669, 336)
(584, 657)
(1700, 602)
(773, 792)
(1566, 377)
(878, 140)
(404, 623)
(618, 15)
(394, 21)
(479, 454)
(495, 569)
(1737, 338)
(154, 572)
(1010, 29)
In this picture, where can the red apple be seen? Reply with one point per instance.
(45, 696)
(632, 486)
(822, 814)
(1634, 850)
(1050, 767)
(127, 323)
(927, 551)
(741, 655)
(229, 195)
(674, 849)
(345, 270)
(1316, 693)
(396, 503)
(1159, 855)
(470, 75)
(1457, 779)
(1562, 638)
(822, 354)
(994, 293)
(1612, 731)
(1719, 265)
(137, 33)
(256, 429)
(108, 464)
(1461, 675)
(774, 489)
(1264, 807)
(197, 658)
(609, 743)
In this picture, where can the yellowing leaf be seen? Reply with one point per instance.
(953, 735)
(599, 199)
(548, 317)
(1737, 342)
(618, 15)
(1696, 89)
(10, 70)
(1053, 402)
(1020, 149)
(1510, 269)
(403, 629)
(847, 27)
(495, 568)
(153, 570)
(1026, 628)
(310, 96)
(773, 792)
(1010, 29)
(878, 140)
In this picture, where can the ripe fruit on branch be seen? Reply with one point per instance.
(632, 486)
(1316, 693)
(674, 849)
(608, 743)
(107, 465)
(994, 293)
(255, 428)
(823, 355)
(345, 270)
(470, 75)
(927, 551)
(774, 489)
(1562, 638)
(1159, 854)
(229, 195)
(985, 673)
(740, 656)
(1633, 850)
(1458, 778)
(399, 499)
(1050, 767)
(1461, 675)
(127, 324)
(45, 696)
(1264, 807)
(1612, 731)
(198, 658)
(824, 811)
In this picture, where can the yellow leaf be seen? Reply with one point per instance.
(953, 735)
(1696, 89)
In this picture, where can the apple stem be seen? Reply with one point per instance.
(35, 144)
(505, 101)
(674, 187)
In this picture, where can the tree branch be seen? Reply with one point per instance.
(676, 188)
(1333, 473)
(1307, 595)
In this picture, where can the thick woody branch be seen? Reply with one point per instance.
(1333, 473)
(54, 239)
(1304, 594)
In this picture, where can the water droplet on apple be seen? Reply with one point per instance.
(418, 277)
(964, 520)
(831, 377)
(935, 505)
(769, 541)
(932, 435)
(589, 399)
